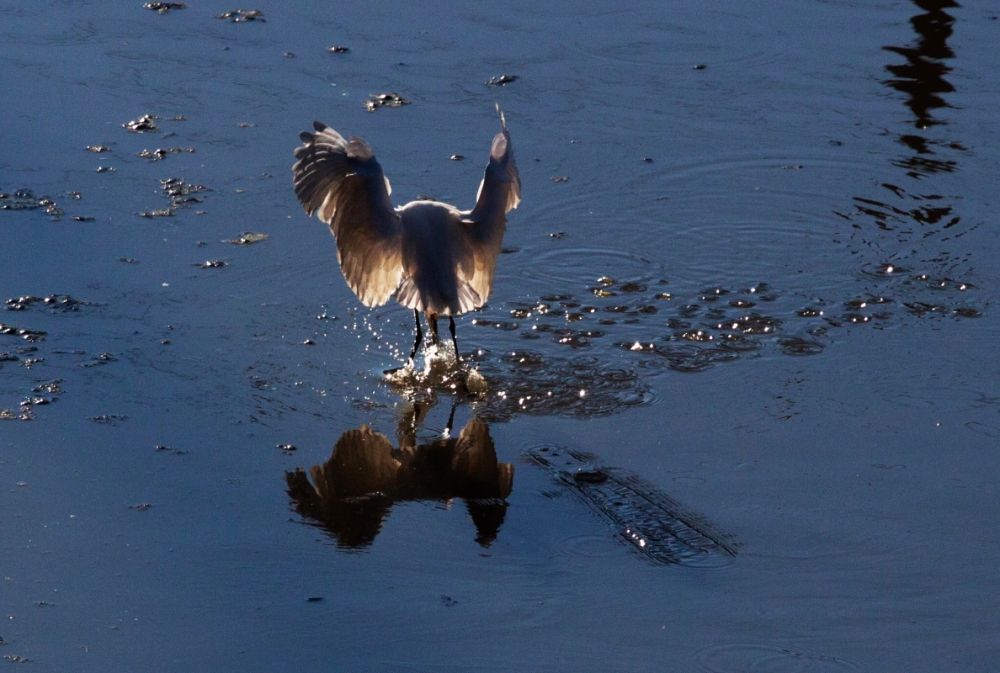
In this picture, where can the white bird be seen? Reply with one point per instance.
(437, 259)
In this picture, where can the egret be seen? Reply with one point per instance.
(437, 259)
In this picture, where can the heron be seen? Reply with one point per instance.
(437, 260)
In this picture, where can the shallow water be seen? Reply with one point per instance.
(759, 293)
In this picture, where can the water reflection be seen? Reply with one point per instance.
(352, 493)
(914, 214)
(921, 78)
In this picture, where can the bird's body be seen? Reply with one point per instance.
(437, 259)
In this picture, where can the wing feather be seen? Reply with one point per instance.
(342, 182)
(484, 227)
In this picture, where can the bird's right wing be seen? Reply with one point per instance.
(341, 181)
(499, 193)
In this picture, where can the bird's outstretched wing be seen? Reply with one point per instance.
(484, 226)
(341, 181)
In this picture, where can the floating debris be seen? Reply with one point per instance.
(128, 260)
(560, 178)
(164, 7)
(242, 15)
(144, 124)
(245, 125)
(160, 154)
(98, 148)
(247, 238)
(142, 506)
(557, 235)
(289, 54)
(377, 100)
(338, 50)
(502, 80)
(699, 66)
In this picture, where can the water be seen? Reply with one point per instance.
(752, 276)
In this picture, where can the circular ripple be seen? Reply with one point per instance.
(748, 658)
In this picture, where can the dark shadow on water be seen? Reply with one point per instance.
(922, 77)
(351, 495)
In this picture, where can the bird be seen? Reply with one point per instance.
(436, 259)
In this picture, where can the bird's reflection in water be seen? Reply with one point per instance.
(351, 494)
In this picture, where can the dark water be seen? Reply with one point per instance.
(751, 288)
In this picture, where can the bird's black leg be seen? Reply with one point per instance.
(451, 418)
(432, 321)
(416, 345)
(420, 335)
(454, 339)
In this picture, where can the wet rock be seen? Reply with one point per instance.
(181, 195)
(160, 154)
(164, 7)
(213, 264)
(105, 169)
(585, 476)
(56, 302)
(377, 100)
(98, 148)
(289, 54)
(242, 15)
(456, 157)
(338, 50)
(144, 124)
(560, 178)
(160, 212)
(247, 238)
(798, 347)
(502, 80)
(288, 447)
(142, 506)
(82, 218)
(50, 387)
(107, 419)
(98, 360)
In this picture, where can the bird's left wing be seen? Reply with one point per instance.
(484, 226)
(342, 182)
